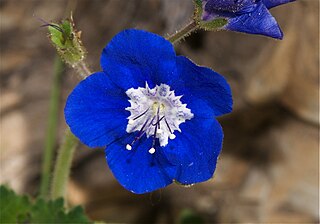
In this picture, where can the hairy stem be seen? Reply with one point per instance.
(51, 129)
(66, 151)
(183, 33)
(63, 165)
(82, 69)
(67, 148)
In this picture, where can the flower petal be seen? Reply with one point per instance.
(195, 150)
(203, 90)
(134, 56)
(259, 21)
(95, 111)
(137, 170)
(273, 3)
(228, 5)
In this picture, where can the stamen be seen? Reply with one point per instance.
(151, 107)
(128, 147)
(144, 125)
(141, 114)
(142, 131)
(168, 125)
(152, 150)
(158, 122)
(155, 134)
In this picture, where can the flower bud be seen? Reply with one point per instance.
(214, 24)
(66, 39)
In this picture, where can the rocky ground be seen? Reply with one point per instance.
(269, 168)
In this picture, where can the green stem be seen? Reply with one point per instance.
(183, 33)
(63, 165)
(82, 69)
(66, 151)
(52, 128)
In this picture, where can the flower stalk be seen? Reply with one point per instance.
(52, 128)
(66, 39)
(82, 69)
(66, 151)
(63, 165)
(184, 32)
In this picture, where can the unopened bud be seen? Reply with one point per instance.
(66, 39)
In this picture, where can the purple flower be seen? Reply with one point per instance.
(248, 16)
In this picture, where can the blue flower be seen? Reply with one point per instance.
(154, 111)
(248, 16)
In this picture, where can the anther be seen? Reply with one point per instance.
(152, 150)
(130, 121)
(172, 136)
(128, 147)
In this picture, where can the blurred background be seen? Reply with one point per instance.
(269, 167)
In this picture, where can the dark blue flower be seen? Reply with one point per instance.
(154, 111)
(248, 16)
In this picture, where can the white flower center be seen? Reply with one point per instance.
(155, 112)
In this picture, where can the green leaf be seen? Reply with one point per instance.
(53, 212)
(12, 206)
(46, 212)
(189, 217)
(76, 215)
(19, 209)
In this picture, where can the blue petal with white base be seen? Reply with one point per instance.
(154, 111)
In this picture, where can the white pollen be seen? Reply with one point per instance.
(152, 150)
(130, 121)
(159, 131)
(128, 147)
(172, 136)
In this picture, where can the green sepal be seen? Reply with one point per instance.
(21, 209)
(215, 24)
(66, 39)
(197, 10)
(198, 3)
